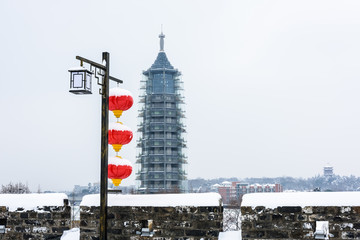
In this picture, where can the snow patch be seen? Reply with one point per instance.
(119, 92)
(302, 199)
(119, 161)
(118, 126)
(232, 235)
(32, 201)
(72, 234)
(156, 200)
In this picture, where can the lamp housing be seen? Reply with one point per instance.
(80, 80)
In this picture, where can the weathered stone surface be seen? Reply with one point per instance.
(277, 234)
(289, 209)
(36, 224)
(168, 223)
(299, 223)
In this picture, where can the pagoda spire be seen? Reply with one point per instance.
(161, 36)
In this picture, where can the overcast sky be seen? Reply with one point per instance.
(272, 87)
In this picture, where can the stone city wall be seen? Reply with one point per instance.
(168, 223)
(299, 222)
(46, 222)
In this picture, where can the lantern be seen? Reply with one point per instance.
(80, 80)
(119, 135)
(118, 169)
(119, 100)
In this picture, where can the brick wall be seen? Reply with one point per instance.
(299, 222)
(47, 222)
(167, 222)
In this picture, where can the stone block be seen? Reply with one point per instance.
(59, 229)
(332, 210)
(262, 225)
(345, 209)
(277, 234)
(21, 229)
(316, 217)
(253, 234)
(296, 234)
(302, 217)
(336, 234)
(357, 225)
(346, 226)
(294, 209)
(52, 236)
(24, 215)
(277, 217)
(49, 222)
(318, 210)
(115, 231)
(347, 235)
(308, 225)
(28, 236)
(259, 209)
(289, 217)
(3, 209)
(356, 209)
(32, 214)
(212, 233)
(337, 219)
(172, 232)
(32, 222)
(88, 231)
(194, 233)
(246, 210)
(307, 210)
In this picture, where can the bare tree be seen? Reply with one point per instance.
(18, 188)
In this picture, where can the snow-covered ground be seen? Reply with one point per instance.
(32, 201)
(156, 200)
(72, 234)
(302, 199)
(232, 235)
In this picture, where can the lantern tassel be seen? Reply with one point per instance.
(117, 113)
(116, 147)
(116, 182)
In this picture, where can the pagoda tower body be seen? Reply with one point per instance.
(161, 142)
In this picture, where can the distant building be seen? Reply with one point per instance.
(328, 171)
(233, 191)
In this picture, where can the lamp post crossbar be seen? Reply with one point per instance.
(97, 65)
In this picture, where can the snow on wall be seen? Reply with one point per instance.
(302, 199)
(32, 201)
(231, 235)
(156, 200)
(72, 234)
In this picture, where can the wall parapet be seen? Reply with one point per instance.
(34, 219)
(160, 222)
(288, 221)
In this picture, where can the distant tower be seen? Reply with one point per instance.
(328, 171)
(161, 142)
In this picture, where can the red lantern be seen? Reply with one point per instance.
(119, 135)
(118, 169)
(119, 100)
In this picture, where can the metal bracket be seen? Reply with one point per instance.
(99, 72)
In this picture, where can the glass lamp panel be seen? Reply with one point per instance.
(77, 79)
(88, 81)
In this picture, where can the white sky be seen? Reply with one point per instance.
(272, 87)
